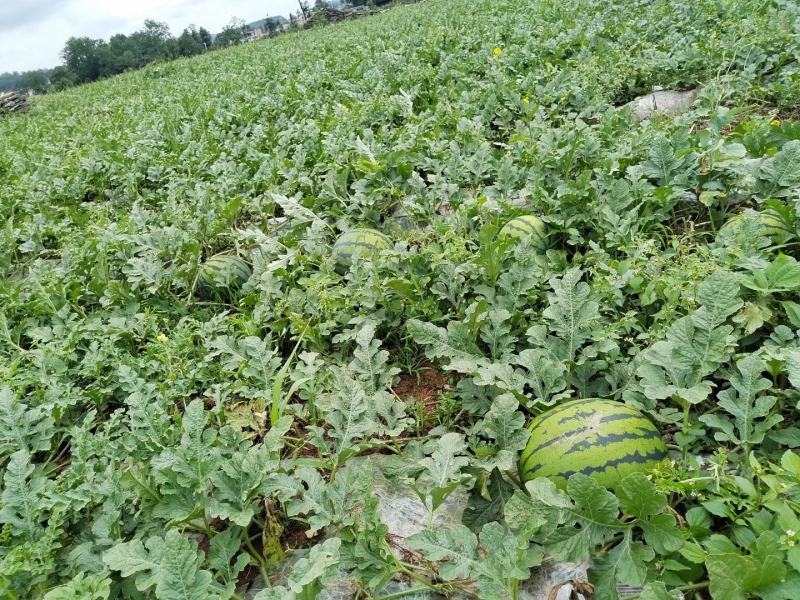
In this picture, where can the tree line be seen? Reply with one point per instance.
(87, 59)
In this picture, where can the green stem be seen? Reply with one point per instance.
(693, 586)
(145, 487)
(408, 592)
(686, 408)
(414, 576)
(261, 564)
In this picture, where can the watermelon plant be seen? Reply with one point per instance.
(179, 420)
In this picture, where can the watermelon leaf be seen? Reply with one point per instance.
(172, 564)
(736, 577)
(505, 424)
(442, 475)
(571, 314)
(481, 510)
(751, 411)
(496, 558)
(638, 496)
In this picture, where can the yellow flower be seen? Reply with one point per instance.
(161, 338)
(498, 52)
(526, 100)
(775, 122)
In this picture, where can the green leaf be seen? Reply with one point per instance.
(452, 343)
(180, 576)
(446, 461)
(82, 587)
(658, 591)
(222, 550)
(456, 545)
(129, 558)
(778, 175)
(23, 428)
(791, 462)
(793, 557)
(506, 425)
(545, 375)
(239, 482)
(662, 533)
(793, 367)
(594, 509)
(571, 313)
(792, 310)
(782, 275)
(319, 564)
(544, 504)
(736, 577)
(625, 562)
(718, 296)
(693, 552)
(638, 496)
(751, 412)
(481, 510)
(503, 561)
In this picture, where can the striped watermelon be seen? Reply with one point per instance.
(222, 274)
(358, 243)
(524, 227)
(772, 225)
(602, 438)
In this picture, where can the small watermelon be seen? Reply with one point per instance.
(772, 225)
(524, 227)
(358, 243)
(222, 274)
(601, 438)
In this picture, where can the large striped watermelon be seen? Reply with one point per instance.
(358, 243)
(525, 227)
(602, 438)
(222, 274)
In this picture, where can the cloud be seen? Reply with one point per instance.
(34, 31)
(17, 14)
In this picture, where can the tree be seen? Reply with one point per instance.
(81, 57)
(62, 78)
(37, 81)
(118, 55)
(271, 25)
(152, 42)
(205, 38)
(189, 42)
(233, 33)
(304, 8)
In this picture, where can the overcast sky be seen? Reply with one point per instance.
(33, 32)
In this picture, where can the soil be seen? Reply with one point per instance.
(294, 536)
(424, 386)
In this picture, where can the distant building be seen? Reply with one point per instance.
(259, 29)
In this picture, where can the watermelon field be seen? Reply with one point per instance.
(241, 294)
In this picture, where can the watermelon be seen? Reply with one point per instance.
(601, 438)
(222, 274)
(526, 227)
(358, 243)
(772, 225)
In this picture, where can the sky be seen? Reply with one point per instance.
(33, 32)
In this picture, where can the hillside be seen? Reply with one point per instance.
(203, 395)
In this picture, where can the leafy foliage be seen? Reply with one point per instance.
(156, 443)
